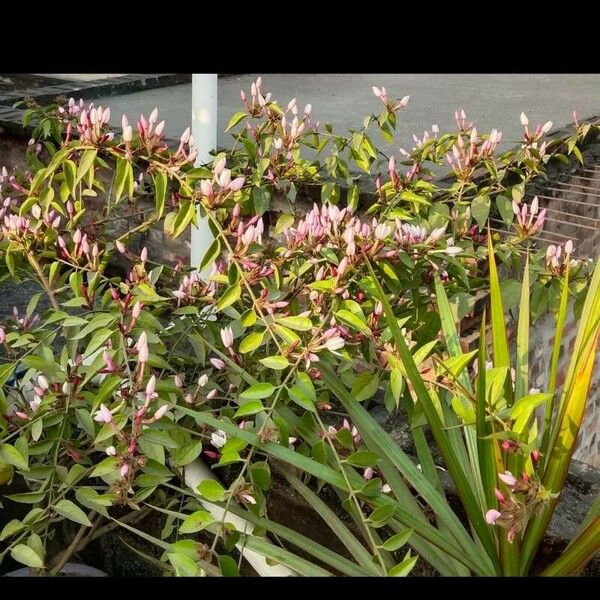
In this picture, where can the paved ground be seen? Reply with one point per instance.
(343, 100)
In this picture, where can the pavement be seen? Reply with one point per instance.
(491, 100)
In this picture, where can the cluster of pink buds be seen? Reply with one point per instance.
(332, 340)
(24, 323)
(221, 186)
(391, 105)
(530, 220)
(420, 142)
(260, 101)
(227, 339)
(73, 108)
(16, 227)
(559, 257)
(189, 289)
(461, 120)
(398, 181)
(532, 137)
(248, 233)
(523, 495)
(92, 122)
(356, 437)
(81, 248)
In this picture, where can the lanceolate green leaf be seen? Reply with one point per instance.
(454, 350)
(463, 486)
(558, 337)
(377, 439)
(475, 561)
(579, 552)
(522, 365)
(358, 551)
(499, 340)
(484, 442)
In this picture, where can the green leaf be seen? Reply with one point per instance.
(404, 568)
(298, 396)
(184, 566)
(197, 521)
(511, 292)
(211, 255)
(186, 454)
(250, 408)
(71, 511)
(286, 220)
(27, 556)
(251, 342)
(235, 119)
(397, 541)
(160, 188)
(365, 386)
(505, 209)
(85, 164)
(297, 323)
(523, 408)
(363, 459)
(277, 363)
(228, 566)
(12, 456)
(353, 320)
(480, 209)
(211, 490)
(381, 516)
(258, 391)
(108, 465)
(12, 527)
(230, 296)
(261, 198)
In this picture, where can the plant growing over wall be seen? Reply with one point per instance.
(110, 395)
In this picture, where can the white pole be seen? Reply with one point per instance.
(204, 130)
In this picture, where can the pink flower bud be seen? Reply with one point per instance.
(144, 254)
(217, 363)
(124, 122)
(499, 495)
(120, 246)
(569, 247)
(508, 478)
(178, 381)
(211, 394)
(159, 128)
(127, 133)
(160, 413)
(137, 310)
(142, 348)
(203, 379)
(103, 415)
(189, 399)
(111, 451)
(227, 337)
(236, 184)
(524, 120)
(492, 515)
(185, 136)
(150, 386)
(43, 382)
(2, 335)
(124, 470)
(153, 116)
(206, 187)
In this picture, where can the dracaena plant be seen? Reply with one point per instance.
(108, 395)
